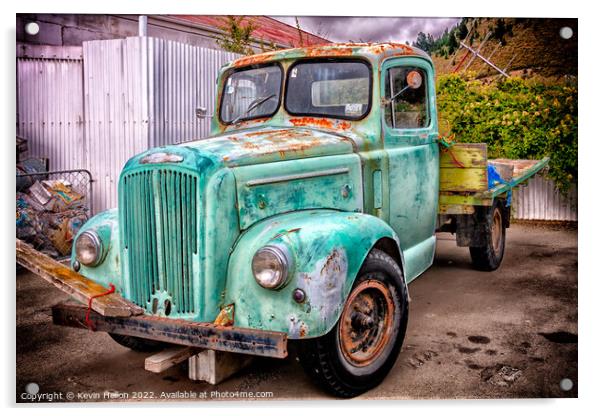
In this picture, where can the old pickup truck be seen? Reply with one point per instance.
(302, 219)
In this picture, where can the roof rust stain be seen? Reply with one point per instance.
(381, 50)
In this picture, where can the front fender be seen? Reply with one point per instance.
(328, 249)
(106, 225)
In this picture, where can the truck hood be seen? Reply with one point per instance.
(269, 144)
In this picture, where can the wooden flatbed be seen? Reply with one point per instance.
(465, 180)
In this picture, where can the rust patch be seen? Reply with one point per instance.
(312, 121)
(255, 59)
(280, 134)
(337, 50)
(250, 146)
(302, 330)
(344, 125)
(225, 317)
(332, 264)
(262, 133)
(320, 122)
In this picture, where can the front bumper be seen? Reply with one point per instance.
(112, 313)
(177, 331)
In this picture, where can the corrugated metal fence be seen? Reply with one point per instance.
(97, 106)
(142, 92)
(50, 112)
(540, 200)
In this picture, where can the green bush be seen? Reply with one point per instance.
(518, 119)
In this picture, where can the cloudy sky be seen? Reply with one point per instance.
(371, 29)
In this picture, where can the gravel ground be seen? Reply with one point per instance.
(506, 334)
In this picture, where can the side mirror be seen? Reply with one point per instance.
(414, 79)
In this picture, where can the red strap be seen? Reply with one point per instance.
(108, 292)
(454, 159)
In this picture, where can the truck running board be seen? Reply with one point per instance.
(178, 331)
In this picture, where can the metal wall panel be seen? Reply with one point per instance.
(182, 77)
(49, 105)
(540, 200)
(116, 120)
(142, 92)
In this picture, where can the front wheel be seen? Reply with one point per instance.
(489, 257)
(360, 350)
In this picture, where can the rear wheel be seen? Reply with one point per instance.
(489, 257)
(138, 344)
(359, 351)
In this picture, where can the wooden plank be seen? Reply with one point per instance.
(450, 198)
(167, 358)
(73, 283)
(456, 209)
(463, 180)
(470, 155)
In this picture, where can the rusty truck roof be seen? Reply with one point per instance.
(373, 51)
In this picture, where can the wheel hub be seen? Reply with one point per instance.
(366, 321)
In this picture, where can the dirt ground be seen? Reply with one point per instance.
(506, 334)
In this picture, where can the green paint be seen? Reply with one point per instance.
(328, 189)
(106, 225)
(329, 248)
(377, 176)
(324, 182)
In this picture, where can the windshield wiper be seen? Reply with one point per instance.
(256, 103)
(392, 99)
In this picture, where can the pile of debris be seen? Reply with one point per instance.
(49, 215)
(49, 212)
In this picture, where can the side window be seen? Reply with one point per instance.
(407, 103)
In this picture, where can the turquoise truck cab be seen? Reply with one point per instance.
(308, 210)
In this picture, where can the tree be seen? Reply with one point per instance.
(301, 43)
(424, 42)
(236, 37)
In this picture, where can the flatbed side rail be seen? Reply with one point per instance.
(520, 176)
(178, 331)
(73, 283)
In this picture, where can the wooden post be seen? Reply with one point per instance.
(215, 366)
(168, 358)
(487, 61)
(475, 54)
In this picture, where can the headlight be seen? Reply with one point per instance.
(88, 248)
(271, 266)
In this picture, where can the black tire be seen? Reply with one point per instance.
(489, 257)
(138, 344)
(327, 361)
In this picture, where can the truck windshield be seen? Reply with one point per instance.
(251, 93)
(338, 89)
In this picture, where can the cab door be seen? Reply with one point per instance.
(409, 120)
